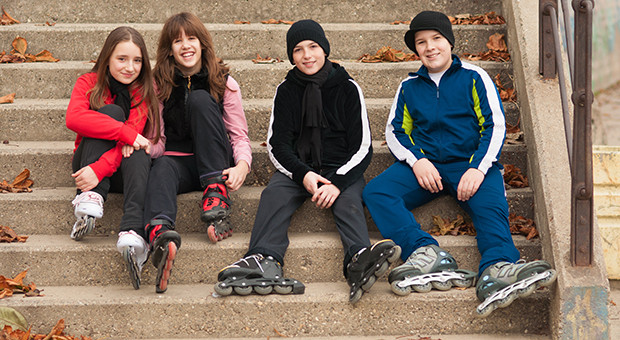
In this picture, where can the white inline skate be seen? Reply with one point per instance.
(135, 252)
(88, 207)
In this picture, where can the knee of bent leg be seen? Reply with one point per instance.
(371, 191)
(113, 111)
(162, 167)
(200, 98)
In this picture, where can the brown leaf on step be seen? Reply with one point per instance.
(514, 135)
(388, 54)
(6, 19)
(458, 226)
(16, 285)
(497, 43)
(490, 18)
(19, 45)
(504, 93)
(514, 177)
(9, 98)
(50, 23)
(45, 55)
(520, 225)
(266, 60)
(8, 235)
(21, 183)
(263, 144)
(241, 22)
(398, 22)
(275, 22)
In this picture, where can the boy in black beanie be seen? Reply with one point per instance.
(446, 128)
(319, 141)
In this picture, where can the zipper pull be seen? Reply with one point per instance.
(189, 83)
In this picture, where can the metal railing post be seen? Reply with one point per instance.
(582, 210)
(546, 58)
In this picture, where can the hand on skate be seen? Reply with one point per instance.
(236, 175)
(85, 178)
(469, 184)
(427, 175)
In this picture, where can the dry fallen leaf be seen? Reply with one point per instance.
(241, 22)
(398, 22)
(266, 60)
(520, 225)
(275, 22)
(45, 55)
(16, 285)
(504, 93)
(458, 226)
(19, 45)
(514, 177)
(498, 51)
(19, 55)
(8, 235)
(9, 98)
(490, 18)
(6, 19)
(21, 183)
(388, 54)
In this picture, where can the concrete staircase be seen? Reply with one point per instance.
(86, 282)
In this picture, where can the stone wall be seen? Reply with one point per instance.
(605, 44)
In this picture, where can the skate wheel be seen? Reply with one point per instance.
(211, 233)
(384, 267)
(395, 255)
(402, 291)
(441, 285)
(549, 279)
(527, 291)
(134, 273)
(486, 311)
(371, 281)
(222, 289)
(355, 297)
(283, 289)
(164, 269)
(505, 302)
(466, 283)
(247, 290)
(425, 288)
(263, 290)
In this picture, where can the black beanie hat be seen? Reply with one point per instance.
(429, 20)
(305, 30)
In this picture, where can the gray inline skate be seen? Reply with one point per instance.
(369, 264)
(500, 284)
(257, 273)
(426, 268)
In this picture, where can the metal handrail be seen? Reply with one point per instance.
(579, 138)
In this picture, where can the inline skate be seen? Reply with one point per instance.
(135, 252)
(216, 207)
(426, 268)
(256, 273)
(88, 206)
(368, 265)
(164, 242)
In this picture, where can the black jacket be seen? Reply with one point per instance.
(346, 142)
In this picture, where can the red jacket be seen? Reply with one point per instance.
(89, 123)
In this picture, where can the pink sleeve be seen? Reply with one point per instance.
(235, 122)
(157, 150)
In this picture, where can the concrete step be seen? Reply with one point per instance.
(94, 261)
(323, 310)
(378, 80)
(44, 120)
(50, 162)
(49, 211)
(231, 41)
(226, 11)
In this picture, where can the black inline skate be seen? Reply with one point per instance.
(164, 242)
(257, 273)
(500, 284)
(215, 208)
(426, 268)
(369, 264)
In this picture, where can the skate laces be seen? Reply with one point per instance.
(88, 197)
(421, 258)
(244, 263)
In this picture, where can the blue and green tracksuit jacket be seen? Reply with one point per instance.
(461, 119)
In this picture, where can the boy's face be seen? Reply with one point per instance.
(309, 57)
(434, 50)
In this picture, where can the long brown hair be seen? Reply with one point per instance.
(165, 63)
(143, 83)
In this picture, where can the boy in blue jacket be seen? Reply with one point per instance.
(446, 128)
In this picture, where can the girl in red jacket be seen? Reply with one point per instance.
(114, 111)
(206, 138)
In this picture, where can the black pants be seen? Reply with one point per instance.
(172, 175)
(130, 178)
(283, 197)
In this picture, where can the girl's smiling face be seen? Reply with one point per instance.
(309, 57)
(125, 62)
(187, 53)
